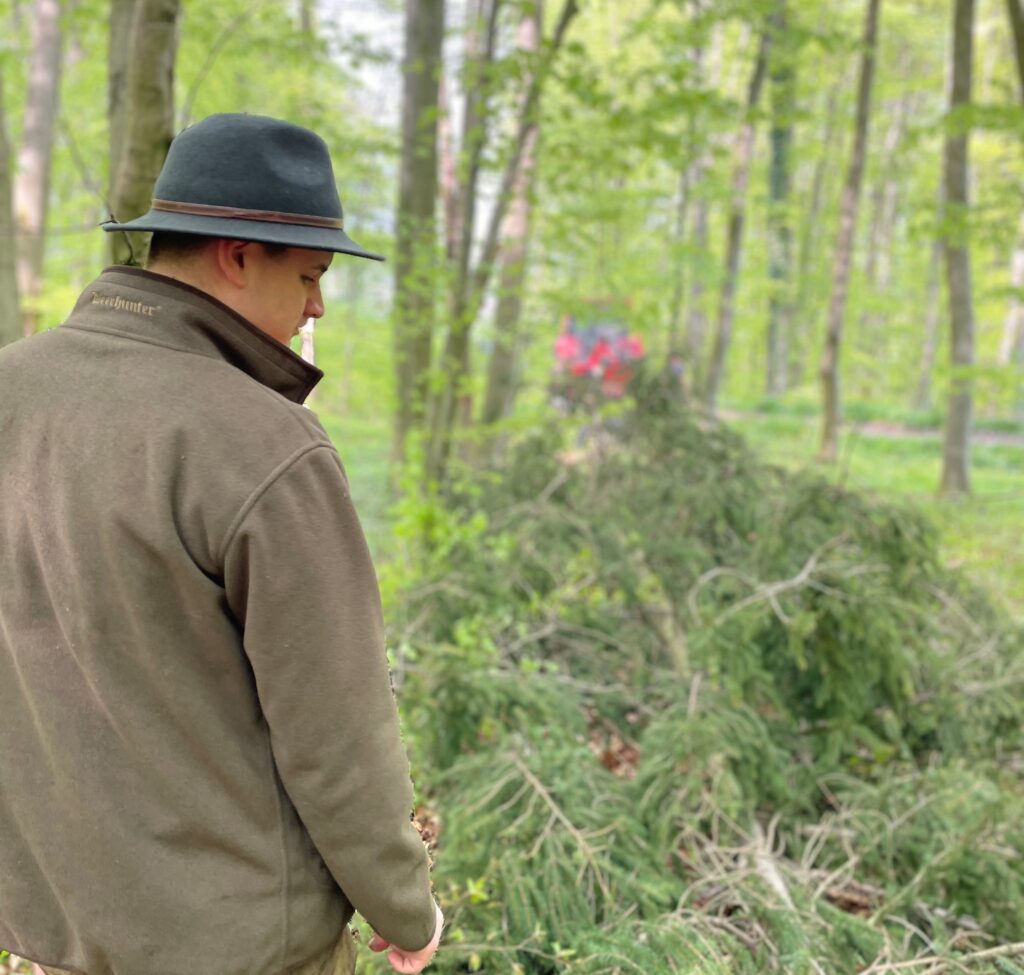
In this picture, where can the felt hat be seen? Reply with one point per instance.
(249, 177)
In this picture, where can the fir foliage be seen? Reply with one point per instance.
(696, 714)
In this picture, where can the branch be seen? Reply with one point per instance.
(585, 848)
(770, 591)
(1001, 951)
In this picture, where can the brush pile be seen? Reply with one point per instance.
(683, 712)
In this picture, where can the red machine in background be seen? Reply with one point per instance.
(595, 360)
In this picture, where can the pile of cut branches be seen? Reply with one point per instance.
(695, 714)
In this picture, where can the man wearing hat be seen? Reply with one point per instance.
(200, 761)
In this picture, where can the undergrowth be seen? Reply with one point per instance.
(682, 711)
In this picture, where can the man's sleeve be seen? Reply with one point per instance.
(299, 578)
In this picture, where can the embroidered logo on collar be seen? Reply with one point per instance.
(124, 304)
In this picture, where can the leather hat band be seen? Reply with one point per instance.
(234, 213)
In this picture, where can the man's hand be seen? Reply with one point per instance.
(410, 962)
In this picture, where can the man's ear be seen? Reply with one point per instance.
(233, 260)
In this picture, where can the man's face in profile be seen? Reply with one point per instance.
(284, 289)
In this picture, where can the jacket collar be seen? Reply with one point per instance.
(150, 307)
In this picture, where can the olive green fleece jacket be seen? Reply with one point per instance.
(200, 760)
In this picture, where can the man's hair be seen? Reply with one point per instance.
(177, 248)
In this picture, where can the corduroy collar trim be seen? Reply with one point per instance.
(141, 305)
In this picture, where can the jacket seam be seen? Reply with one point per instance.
(262, 489)
(286, 933)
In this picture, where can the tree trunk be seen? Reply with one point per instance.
(1013, 324)
(141, 106)
(1016, 14)
(688, 175)
(956, 449)
(32, 180)
(697, 320)
(810, 236)
(10, 311)
(780, 249)
(829, 369)
(744, 152)
(416, 230)
(449, 173)
(515, 236)
(884, 195)
(933, 308)
(307, 17)
(455, 358)
(479, 57)
(675, 312)
(456, 398)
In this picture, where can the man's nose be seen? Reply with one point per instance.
(315, 304)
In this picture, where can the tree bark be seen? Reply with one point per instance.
(481, 36)
(780, 247)
(675, 311)
(10, 311)
(1013, 324)
(688, 171)
(416, 231)
(307, 17)
(810, 236)
(933, 309)
(697, 319)
(829, 369)
(475, 118)
(32, 180)
(449, 187)
(743, 153)
(144, 42)
(1016, 14)
(455, 357)
(884, 196)
(515, 236)
(956, 449)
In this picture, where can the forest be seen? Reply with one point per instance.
(685, 422)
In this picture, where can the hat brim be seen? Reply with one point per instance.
(264, 232)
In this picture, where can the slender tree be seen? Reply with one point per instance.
(810, 236)
(696, 318)
(956, 448)
(307, 17)
(481, 36)
(32, 179)
(780, 235)
(688, 169)
(675, 306)
(932, 310)
(884, 199)
(829, 369)
(144, 41)
(455, 357)
(10, 312)
(1013, 324)
(515, 237)
(1016, 14)
(743, 153)
(416, 229)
